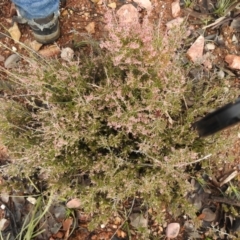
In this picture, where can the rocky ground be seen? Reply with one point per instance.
(212, 43)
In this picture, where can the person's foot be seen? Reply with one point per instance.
(45, 30)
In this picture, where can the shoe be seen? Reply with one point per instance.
(45, 30)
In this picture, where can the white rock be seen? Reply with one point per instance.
(210, 46)
(14, 49)
(233, 61)
(172, 230)
(234, 39)
(144, 4)
(12, 61)
(176, 10)
(67, 54)
(195, 52)
(32, 200)
(127, 14)
(4, 223)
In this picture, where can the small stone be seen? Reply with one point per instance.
(5, 197)
(208, 215)
(3, 206)
(50, 51)
(14, 49)
(34, 45)
(112, 5)
(233, 61)
(234, 39)
(144, 4)
(210, 46)
(12, 61)
(176, 10)
(64, 12)
(90, 27)
(172, 230)
(127, 14)
(32, 200)
(4, 223)
(221, 74)
(15, 32)
(74, 203)
(67, 54)
(195, 52)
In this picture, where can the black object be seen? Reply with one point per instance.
(218, 120)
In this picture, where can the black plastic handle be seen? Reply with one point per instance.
(218, 120)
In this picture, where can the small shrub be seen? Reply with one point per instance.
(114, 124)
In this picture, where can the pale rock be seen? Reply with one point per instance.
(233, 61)
(14, 49)
(174, 23)
(210, 46)
(138, 220)
(50, 51)
(208, 215)
(32, 200)
(195, 52)
(112, 5)
(12, 61)
(74, 203)
(4, 223)
(15, 32)
(176, 9)
(234, 39)
(127, 14)
(67, 54)
(5, 197)
(172, 230)
(144, 4)
(33, 44)
(90, 28)
(221, 74)
(64, 13)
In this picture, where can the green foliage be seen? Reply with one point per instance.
(114, 125)
(222, 6)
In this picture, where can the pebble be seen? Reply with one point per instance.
(233, 61)
(12, 61)
(195, 52)
(172, 230)
(144, 4)
(210, 46)
(176, 10)
(127, 14)
(67, 54)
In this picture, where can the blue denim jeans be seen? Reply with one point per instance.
(33, 9)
